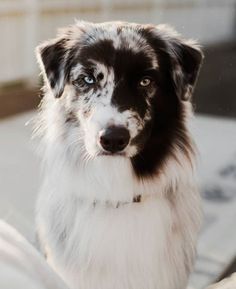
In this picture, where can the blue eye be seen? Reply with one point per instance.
(89, 79)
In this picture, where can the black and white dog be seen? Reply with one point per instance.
(119, 208)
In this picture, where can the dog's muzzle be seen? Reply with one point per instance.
(114, 139)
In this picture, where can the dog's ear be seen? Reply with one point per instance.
(51, 57)
(186, 59)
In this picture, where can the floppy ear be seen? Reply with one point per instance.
(51, 57)
(187, 63)
(186, 58)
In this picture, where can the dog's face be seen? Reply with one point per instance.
(125, 87)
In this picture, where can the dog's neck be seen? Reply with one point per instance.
(111, 180)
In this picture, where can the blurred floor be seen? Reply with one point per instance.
(216, 139)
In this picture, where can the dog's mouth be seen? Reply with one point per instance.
(112, 154)
(128, 152)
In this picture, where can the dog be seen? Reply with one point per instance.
(119, 207)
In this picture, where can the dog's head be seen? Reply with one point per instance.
(125, 86)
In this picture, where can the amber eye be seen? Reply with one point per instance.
(144, 82)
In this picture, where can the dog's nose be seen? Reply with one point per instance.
(114, 139)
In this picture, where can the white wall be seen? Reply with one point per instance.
(24, 23)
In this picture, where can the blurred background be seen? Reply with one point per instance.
(25, 23)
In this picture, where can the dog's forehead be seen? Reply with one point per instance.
(116, 44)
(121, 35)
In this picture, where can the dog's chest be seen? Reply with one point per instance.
(133, 246)
(129, 245)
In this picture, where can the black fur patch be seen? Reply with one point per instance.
(129, 68)
(167, 128)
(53, 58)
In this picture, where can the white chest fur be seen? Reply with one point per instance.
(97, 238)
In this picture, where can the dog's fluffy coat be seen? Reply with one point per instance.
(92, 231)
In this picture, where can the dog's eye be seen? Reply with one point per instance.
(89, 79)
(144, 82)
